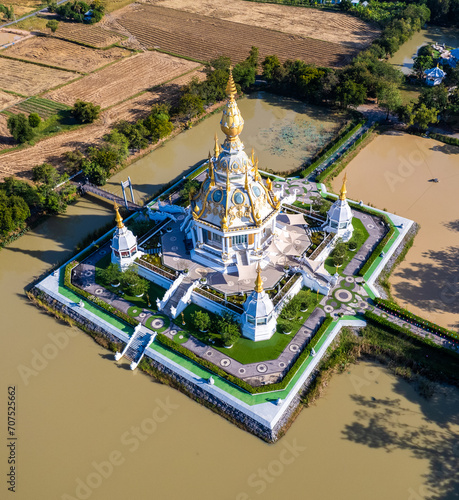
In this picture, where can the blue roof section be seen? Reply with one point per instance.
(435, 73)
(455, 53)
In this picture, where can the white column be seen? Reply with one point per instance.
(200, 238)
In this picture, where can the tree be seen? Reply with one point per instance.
(132, 283)
(135, 133)
(158, 122)
(339, 252)
(34, 120)
(201, 320)
(94, 172)
(20, 128)
(229, 329)
(13, 212)
(46, 174)
(435, 97)
(85, 112)
(351, 94)
(52, 24)
(271, 68)
(345, 5)
(290, 310)
(52, 6)
(190, 188)
(111, 275)
(390, 98)
(106, 156)
(424, 116)
(421, 63)
(73, 161)
(190, 105)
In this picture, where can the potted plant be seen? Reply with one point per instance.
(203, 281)
(201, 321)
(186, 271)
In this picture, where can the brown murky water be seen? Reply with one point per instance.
(394, 172)
(283, 133)
(403, 58)
(91, 429)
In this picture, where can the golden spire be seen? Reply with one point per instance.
(253, 152)
(231, 89)
(232, 122)
(211, 171)
(342, 193)
(246, 179)
(216, 147)
(269, 184)
(258, 281)
(118, 218)
(257, 175)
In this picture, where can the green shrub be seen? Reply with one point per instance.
(85, 112)
(34, 120)
(201, 320)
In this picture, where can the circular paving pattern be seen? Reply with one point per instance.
(225, 362)
(334, 304)
(209, 353)
(173, 238)
(282, 364)
(294, 348)
(349, 279)
(88, 273)
(241, 371)
(231, 283)
(370, 226)
(247, 282)
(159, 323)
(99, 291)
(368, 246)
(264, 278)
(363, 304)
(343, 295)
(262, 368)
(156, 323)
(134, 311)
(328, 309)
(142, 315)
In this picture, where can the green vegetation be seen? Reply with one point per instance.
(85, 112)
(8, 11)
(52, 24)
(20, 128)
(75, 11)
(401, 312)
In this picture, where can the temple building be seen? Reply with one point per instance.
(259, 319)
(339, 217)
(234, 212)
(434, 76)
(124, 243)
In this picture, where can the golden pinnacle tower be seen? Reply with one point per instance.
(118, 218)
(258, 281)
(343, 192)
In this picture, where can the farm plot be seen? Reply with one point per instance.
(122, 80)
(205, 38)
(57, 52)
(30, 79)
(313, 23)
(90, 35)
(43, 107)
(52, 149)
(7, 100)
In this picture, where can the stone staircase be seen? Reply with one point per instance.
(175, 298)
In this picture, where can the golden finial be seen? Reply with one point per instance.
(269, 184)
(231, 89)
(246, 179)
(225, 223)
(118, 218)
(216, 147)
(253, 152)
(257, 175)
(211, 170)
(258, 281)
(342, 193)
(228, 185)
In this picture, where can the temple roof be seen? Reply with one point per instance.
(233, 195)
(123, 238)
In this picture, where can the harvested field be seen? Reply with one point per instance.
(43, 107)
(7, 100)
(67, 55)
(22, 7)
(205, 38)
(30, 79)
(21, 162)
(122, 80)
(313, 23)
(87, 34)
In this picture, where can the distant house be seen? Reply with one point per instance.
(450, 57)
(88, 15)
(434, 76)
(365, 4)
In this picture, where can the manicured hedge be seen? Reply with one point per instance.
(95, 300)
(241, 383)
(331, 146)
(387, 305)
(452, 141)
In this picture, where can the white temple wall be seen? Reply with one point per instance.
(212, 306)
(155, 278)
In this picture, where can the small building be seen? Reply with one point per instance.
(339, 217)
(434, 76)
(259, 319)
(88, 15)
(124, 243)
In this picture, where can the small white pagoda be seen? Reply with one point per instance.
(234, 211)
(124, 243)
(339, 217)
(258, 320)
(434, 76)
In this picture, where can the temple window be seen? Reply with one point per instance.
(239, 239)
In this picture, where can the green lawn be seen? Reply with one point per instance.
(358, 227)
(154, 291)
(244, 350)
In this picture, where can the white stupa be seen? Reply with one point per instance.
(339, 217)
(258, 320)
(124, 243)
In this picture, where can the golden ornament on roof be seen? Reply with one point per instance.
(232, 122)
(258, 281)
(118, 218)
(342, 193)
